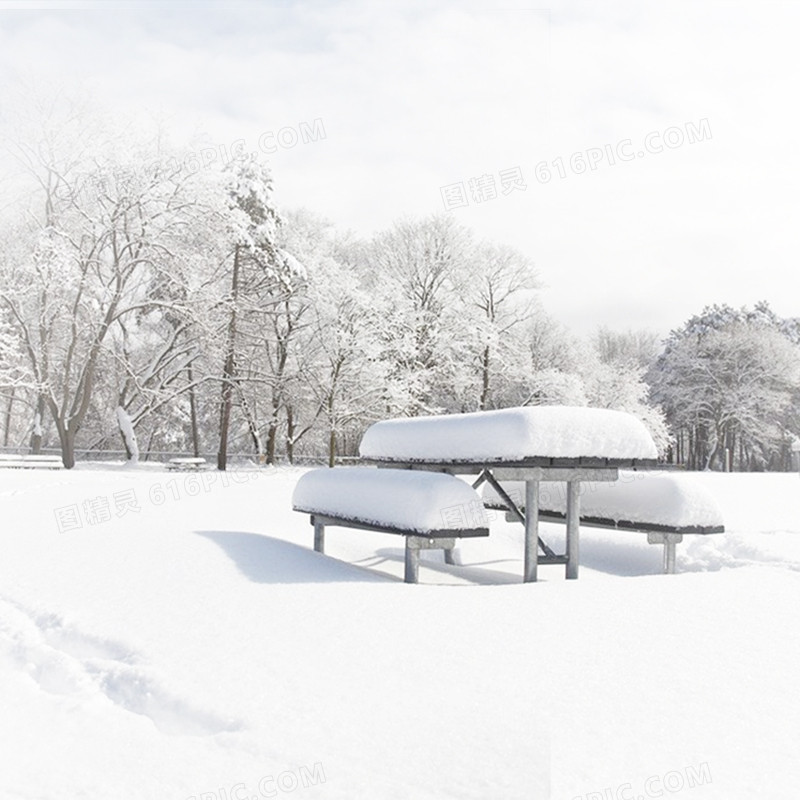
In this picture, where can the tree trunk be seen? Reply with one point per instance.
(272, 435)
(332, 448)
(225, 413)
(272, 429)
(193, 413)
(36, 436)
(66, 435)
(290, 427)
(125, 445)
(68, 450)
(7, 431)
(228, 371)
(250, 418)
(128, 435)
(484, 379)
(150, 444)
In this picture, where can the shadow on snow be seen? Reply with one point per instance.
(264, 559)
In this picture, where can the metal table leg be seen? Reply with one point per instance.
(573, 527)
(531, 531)
(319, 537)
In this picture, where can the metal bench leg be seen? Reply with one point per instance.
(669, 540)
(669, 556)
(319, 537)
(573, 527)
(531, 531)
(412, 561)
(416, 543)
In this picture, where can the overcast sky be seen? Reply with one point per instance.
(372, 111)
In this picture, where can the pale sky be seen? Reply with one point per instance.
(416, 96)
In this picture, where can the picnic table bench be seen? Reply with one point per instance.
(664, 506)
(29, 461)
(388, 501)
(186, 464)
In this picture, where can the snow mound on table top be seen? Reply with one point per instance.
(511, 434)
(655, 498)
(415, 501)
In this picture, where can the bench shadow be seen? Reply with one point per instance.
(475, 572)
(264, 559)
(625, 559)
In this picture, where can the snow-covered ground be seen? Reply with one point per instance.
(174, 636)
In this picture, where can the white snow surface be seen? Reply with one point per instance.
(414, 501)
(185, 641)
(660, 498)
(511, 434)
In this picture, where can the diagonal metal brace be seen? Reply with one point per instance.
(480, 479)
(490, 479)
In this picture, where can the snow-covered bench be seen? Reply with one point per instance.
(417, 505)
(664, 506)
(186, 464)
(30, 461)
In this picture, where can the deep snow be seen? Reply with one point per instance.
(198, 645)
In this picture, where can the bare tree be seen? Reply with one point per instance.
(94, 256)
(500, 284)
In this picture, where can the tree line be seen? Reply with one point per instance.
(180, 310)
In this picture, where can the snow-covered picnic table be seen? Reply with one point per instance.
(512, 452)
(531, 445)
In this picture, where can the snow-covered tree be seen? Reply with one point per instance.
(499, 289)
(93, 258)
(637, 348)
(413, 270)
(614, 374)
(345, 375)
(728, 381)
(260, 274)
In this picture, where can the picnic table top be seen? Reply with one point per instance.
(474, 466)
(534, 436)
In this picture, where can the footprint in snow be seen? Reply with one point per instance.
(64, 660)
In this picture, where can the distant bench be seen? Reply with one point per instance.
(410, 504)
(665, 507)
(30, 461)
(186, 464)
